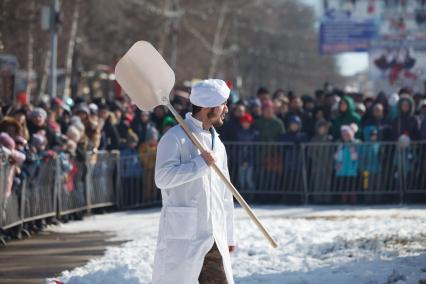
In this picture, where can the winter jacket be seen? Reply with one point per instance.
(346, 118)
(406, 123)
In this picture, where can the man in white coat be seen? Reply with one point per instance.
(196, 233)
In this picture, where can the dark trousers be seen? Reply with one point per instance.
(213, 271)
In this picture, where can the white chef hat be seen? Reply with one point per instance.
(209, 93)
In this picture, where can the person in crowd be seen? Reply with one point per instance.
(255, 107)
(376, 117)
(131, 170)
(369, 161)
(110, 138)
(309, 104)
(360, 109)
(168, 122)
(158, 116)
(404, 162)
(346, 116)
(232, 125)
(347, 163)
(122, 124)
(11, 126)
(268, 126)
(21, 117)
(282, 108)
(296, 109)
(147, 152)
(406, 122)
(422, 111)
(263, 95)
(292, 156)
(38, 124)
(393, 107)
(246, 154)
(319, 167)
(16, 159)
(141, 124)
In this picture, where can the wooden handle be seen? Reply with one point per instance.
(222, 176)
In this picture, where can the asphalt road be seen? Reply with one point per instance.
(47, 254)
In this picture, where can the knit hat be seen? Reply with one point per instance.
(21, 140)
(295, 119)
(7, 141)
(404, 140)
(246, 118)
(255, 102)
(360, 107)
(38, 111)
(351, 129)
(93, 108)
(73, 133)
(82, 108)
(393, 99)
(37, 140)
(168, 121)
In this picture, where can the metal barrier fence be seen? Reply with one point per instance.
(137, 187)
(264, 172)
(57, 186)
(328, 172)
(9, 199)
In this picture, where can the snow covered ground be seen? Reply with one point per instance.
(316, 245)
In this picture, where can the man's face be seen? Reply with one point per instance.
(296, 104)
(268, 112)
(217, 115)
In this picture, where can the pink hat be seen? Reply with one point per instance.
(351, 129)
(7, 141)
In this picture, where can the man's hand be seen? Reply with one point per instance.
(208, 157)
(232, 248)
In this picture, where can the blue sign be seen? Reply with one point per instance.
(343, 35)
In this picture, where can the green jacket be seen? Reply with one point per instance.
(346, 118)
(269, 129)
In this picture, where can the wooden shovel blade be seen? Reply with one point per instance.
(145, 76)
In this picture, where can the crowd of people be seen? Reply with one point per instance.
(74, 127)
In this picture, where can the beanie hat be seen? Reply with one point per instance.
(37, 140)
(351, 129)
(404, 140)
(38, 111)
(73, 133)
(168, 121)
(246, 118)
(295, 119)
(7, 141)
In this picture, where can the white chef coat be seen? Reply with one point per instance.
(197, 207)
